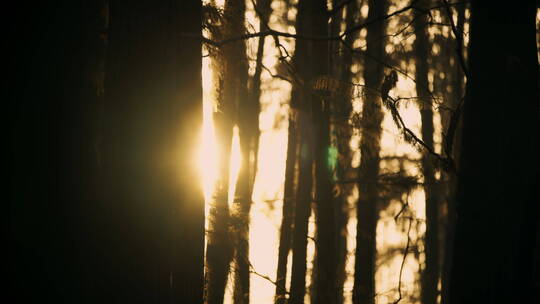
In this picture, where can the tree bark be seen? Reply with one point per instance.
(153, 203)
(228, 65)
(116, 240)
(430, 272)
(289, 195)
(455, 99)
(246, 118)
(497, 201)
(341, 111)
(302, 210)
(372, 115)
(53, 106)
(289, 202)
(301, 95)
(325, 290)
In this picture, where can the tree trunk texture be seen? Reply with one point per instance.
(497, 201)
(372, 116)
(246, 118)
(430, 271)
(226, 227)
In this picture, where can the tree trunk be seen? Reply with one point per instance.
(289, 195)
(497, 210)
(341, 111)
(153, 103)
(53, 95)
(289, 201)
(325, 245)
(246, 118)
(301, 95)
(302, 209)
(115, 241)
(229, 66)
(372, 116)
(454, 100)
(430, 272)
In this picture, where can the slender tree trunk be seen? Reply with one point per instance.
(301, 96)
(289, 195)
(372, 115)
(342, 108)
(289, 201)
(325, 245)
(255, 92)
(154, 206)
(430, 272)
(497, 201)
(302, 209)
(455, 99)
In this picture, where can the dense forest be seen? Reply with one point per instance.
(274, 151)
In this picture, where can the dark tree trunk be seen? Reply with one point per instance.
(302, 208)
(430, 272)
(497, 211)
(117, 240)
(289, 201)
(372, 115)
(341, 111)
(454, 99)
(230, 71)
(153, 104)
(289, 195)
(86, 248)
(219, 250)
(246, 118)
(301, 95)
(325, 245)
(53, 92)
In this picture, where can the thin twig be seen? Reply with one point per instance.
(405, 252)
(276, 75)
(459, 39)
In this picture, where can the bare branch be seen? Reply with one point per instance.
(405, 252)
(459, 39)
(276, 75)
(270, 32)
